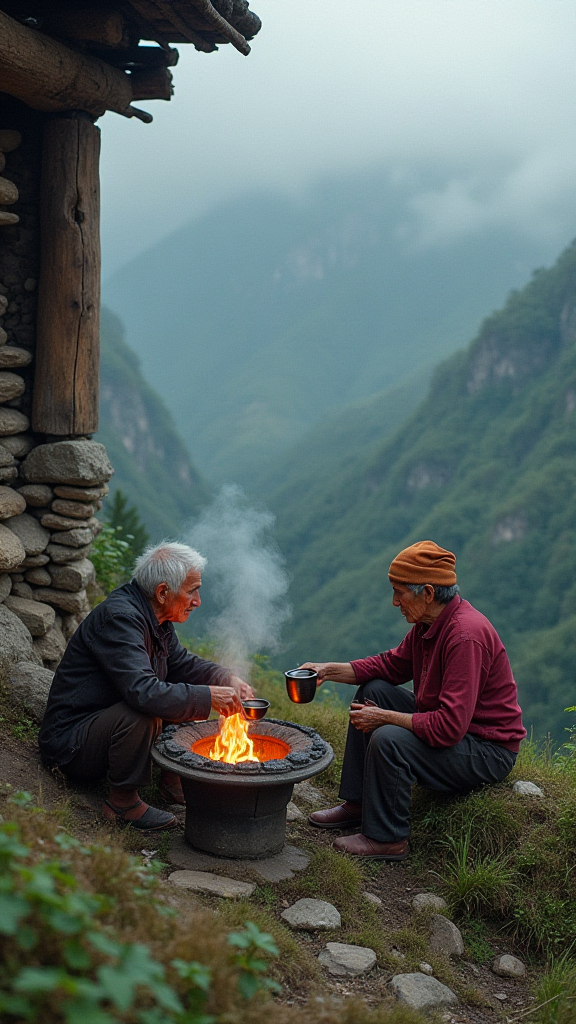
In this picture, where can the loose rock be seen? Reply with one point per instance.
(11, 421)
(72, 603)
(312, 915)
(342, 959)
(421, 992)
(527, 789)
(15, 640)
(68, 462)
(428, 899)
(445, 937)
(426, 968)
(30, 685)
(372, 899)
(508, 966)
(218, 885)
(308, 793)
(35, 615)
(12, 550)
(293, 813)
(33, 536)
(500, 996)
(37, 495)
(72, 509)
(11, 503)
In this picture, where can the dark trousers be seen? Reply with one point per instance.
(116, 746)
(381, 767)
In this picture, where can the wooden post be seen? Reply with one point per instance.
(67, 344)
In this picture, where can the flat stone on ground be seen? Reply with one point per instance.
(421, 992)
(508, 966)
(312, 915)
(308, 793)
(68, 462)
(524, 788)
(293, 813)
(342, 959)
(30, 685)
(445, 937)
(218, 885)
(278, 868)
(372, 899)
(428, 899)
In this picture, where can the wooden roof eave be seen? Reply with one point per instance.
(189, 18)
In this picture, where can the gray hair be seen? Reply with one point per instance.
(167, 563)
(441, 594)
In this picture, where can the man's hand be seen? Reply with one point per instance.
(367, 717)
(244, 690)
(338, 672)
(225, 700)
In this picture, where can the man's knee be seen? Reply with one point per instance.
(133, 722)
(392, 741)
(377, 690)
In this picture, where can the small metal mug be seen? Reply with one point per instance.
(301, 685)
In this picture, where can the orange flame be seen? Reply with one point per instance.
(232, 743)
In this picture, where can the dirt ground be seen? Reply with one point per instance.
(394, 884)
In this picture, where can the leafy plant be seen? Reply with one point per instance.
(125, 519)
(112, 558)
(250, 943)
(475, 882)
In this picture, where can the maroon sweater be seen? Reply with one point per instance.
(463, 681)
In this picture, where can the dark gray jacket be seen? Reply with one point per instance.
(122, 653)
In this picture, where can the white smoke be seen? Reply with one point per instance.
(245, 576)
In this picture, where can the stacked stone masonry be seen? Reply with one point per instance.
(50, 488)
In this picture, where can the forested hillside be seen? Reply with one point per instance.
(484, 466)
(151, 462)
(270, 313)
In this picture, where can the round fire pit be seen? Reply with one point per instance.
(239, 810)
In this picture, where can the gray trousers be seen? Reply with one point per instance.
(116, 746)
(381, 767)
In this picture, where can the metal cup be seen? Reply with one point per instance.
(301, 685)
(255, 709)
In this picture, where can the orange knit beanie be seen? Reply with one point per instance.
(424, 562)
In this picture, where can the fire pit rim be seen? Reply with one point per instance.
(217, 772)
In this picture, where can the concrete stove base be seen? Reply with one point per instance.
(271, 869)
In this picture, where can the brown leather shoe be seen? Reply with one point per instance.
(335, 817)
(361, 846)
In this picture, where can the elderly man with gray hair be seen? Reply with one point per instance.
(124, 672)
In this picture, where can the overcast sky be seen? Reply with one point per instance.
(483, 90)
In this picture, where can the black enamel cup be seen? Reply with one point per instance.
(301, 685)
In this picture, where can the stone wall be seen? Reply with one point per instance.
(50, 488)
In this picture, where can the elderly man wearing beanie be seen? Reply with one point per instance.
(460, 728)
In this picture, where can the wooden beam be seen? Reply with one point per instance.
(65, 400)
(47, 75)
(152, 84)
(90, 25)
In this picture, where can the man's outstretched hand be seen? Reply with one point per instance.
(225, 700)
(337, 671)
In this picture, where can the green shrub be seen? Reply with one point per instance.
(555, 995)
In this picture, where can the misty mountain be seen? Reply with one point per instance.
(269, 314)
(152, 465)
(485, 466)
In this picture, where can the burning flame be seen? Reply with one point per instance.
(232, 743)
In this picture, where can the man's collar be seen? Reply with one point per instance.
(446, 613)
